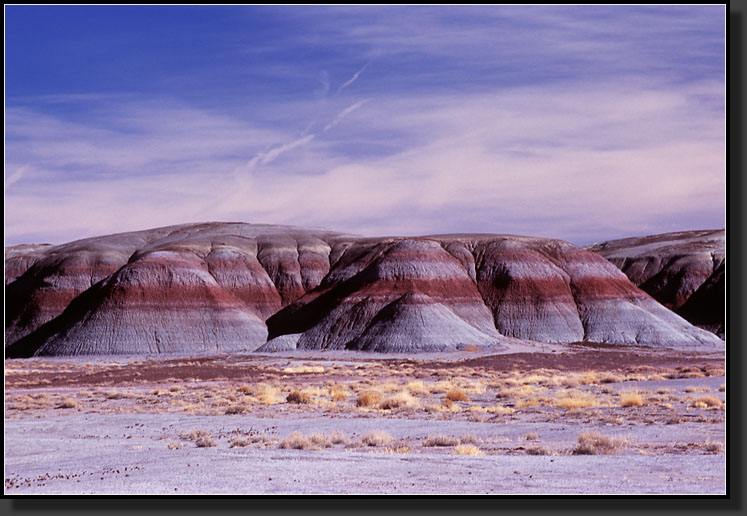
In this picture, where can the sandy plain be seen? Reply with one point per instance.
(575, 419)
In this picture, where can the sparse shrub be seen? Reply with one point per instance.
(205, 442)
(416, 387)
(538, 450)
(268, 394)
(708, 402)
(296, 441)
(631, 399)
(401, 399)
(337, 437)
(440, 440)
(369, 399)
(592, 443)
(713, 447)
(575, 399)
(240, 442)
(378, 438)
(693, 388)
(722, 388)
(469, 439)
(610, 378)
(339, 396)
(175, 446)
(299, 397)
(468, 449)
(245, 389)
(237, 409)
(194, 435)
(320, 441)
(531, 436)
(456, 395)
(68, 403)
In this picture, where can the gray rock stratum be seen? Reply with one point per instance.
(236, 286)
(684, 271)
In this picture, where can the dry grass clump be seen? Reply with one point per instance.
(120, 395)
(304, 369)
(631, 399)
(237, 409)
(240, 442)
(469, 439)
(296, 441)
(205, 442)
(456, 395)
(175, 446)
(610, 378)
(440, 440)
(694, 388)
(268, 394)
(194, 435)
(468, 449)
(713, 447)
(708, 402)
(722, 388)
(531, 436)
(369, 398)
(68, 403)
(245, 389)
(298, 397)
(338, 437)
(417, 388)
(593, 443)
(378, 438)
(575, 399)
(320, 441)
(401, 399)
(538, 450)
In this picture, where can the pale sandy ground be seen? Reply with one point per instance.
(54, 451)
(128, 453)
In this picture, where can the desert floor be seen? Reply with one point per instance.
(576, 419)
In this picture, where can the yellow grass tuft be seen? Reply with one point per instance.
(631, 399)
(468, 449)
(592, 443)
(369, 398)
(456, 395)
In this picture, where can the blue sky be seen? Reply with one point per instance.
(578, 122)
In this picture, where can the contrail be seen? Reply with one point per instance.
(16, 176)
(345, 112)
(264, 158)
(352, 79)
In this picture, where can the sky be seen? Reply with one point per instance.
(584, 123)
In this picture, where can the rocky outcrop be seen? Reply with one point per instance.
(684, 271)
(232, 286)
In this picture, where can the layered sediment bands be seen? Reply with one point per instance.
(672, 267)
(164, 302)
(395, 295)
(527, 292)
(232, 286)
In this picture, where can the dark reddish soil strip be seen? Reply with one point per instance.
(217, 368)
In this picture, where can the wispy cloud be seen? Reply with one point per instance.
(16, 176)
(352, 79)
(573, 122)
(345, 112)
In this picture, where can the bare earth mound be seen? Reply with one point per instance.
(684, 271)
(240, 287)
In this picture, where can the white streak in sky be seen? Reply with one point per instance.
(352, 79)
(345, 112)
(15, 177)
(265, 157)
